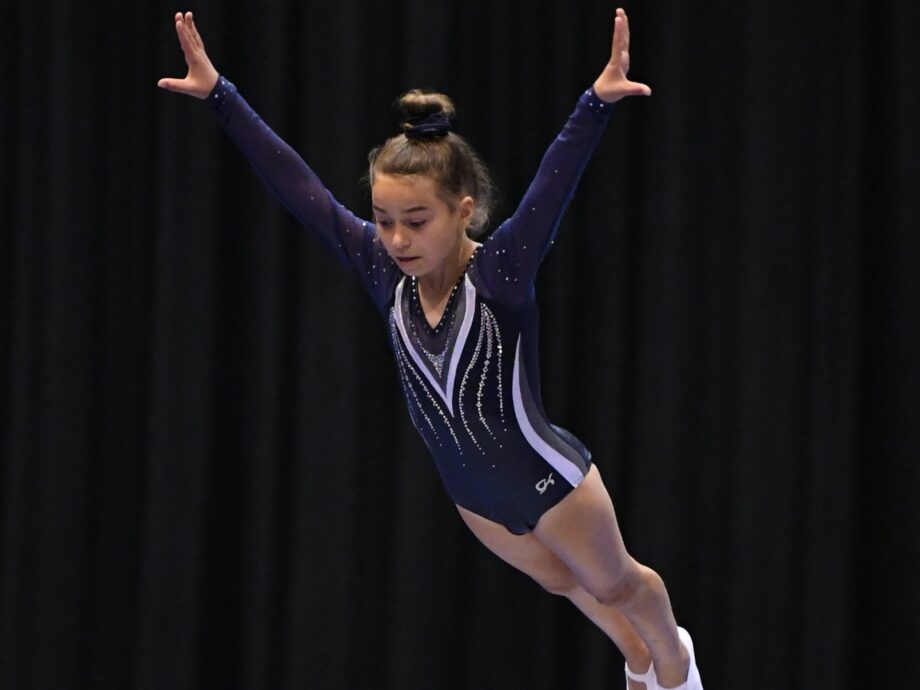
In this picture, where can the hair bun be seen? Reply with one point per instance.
(425, 114)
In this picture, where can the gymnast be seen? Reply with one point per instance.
(462, 320)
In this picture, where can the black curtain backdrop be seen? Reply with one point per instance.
(208, 476)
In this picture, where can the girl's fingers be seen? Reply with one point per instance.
(619, 37)
(625, 29)
(613, 42)
(192, 31)
(190, 27)
(619, 55)
(189, 35)
(180, 33)
(185, 41)
(192, 48)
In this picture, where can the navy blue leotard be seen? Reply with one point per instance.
(472, 382)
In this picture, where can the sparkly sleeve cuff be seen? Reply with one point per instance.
(221, 95)
(592, 103)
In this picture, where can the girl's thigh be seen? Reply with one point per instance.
(523, 551)
(582, 531)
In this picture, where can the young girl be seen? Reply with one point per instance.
(462, 320)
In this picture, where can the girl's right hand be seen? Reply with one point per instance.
(613, 84)
(202, 76)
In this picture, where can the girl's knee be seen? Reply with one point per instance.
(621, 588)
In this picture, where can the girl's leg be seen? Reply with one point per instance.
(527, 554)
(582, 531)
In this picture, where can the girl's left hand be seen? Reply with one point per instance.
(202, 76)
(613, 85)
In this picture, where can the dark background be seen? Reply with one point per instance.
(208, 477)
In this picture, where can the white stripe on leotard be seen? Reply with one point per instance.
(447, 394)
(565, 467)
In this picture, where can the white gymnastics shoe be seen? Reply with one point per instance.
(649, 677)
(693, 681)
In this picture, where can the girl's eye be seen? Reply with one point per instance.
(384, 223)
(416, 223)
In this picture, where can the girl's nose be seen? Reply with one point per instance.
(400, 238)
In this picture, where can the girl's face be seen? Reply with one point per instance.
(419, 230)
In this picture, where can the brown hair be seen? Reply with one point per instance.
(437, 153)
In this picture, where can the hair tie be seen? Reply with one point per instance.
(433, 125)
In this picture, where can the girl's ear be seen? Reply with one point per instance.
(467, 207)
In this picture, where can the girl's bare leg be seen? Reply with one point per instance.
(582, 531)
(529, 555)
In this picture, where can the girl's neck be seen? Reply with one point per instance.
(440, 281)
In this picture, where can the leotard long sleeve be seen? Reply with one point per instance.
(288, 177)
(472, 382)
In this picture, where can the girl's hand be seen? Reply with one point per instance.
(201, 76)
(613, 85)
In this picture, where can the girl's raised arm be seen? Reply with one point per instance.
(201, 76)
(283, 171)
(517, 248)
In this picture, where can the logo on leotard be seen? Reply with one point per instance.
(543, 484)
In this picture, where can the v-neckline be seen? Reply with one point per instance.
(417, 296)
(418, 342)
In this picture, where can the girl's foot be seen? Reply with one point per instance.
(693, 681)
(641, 681)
